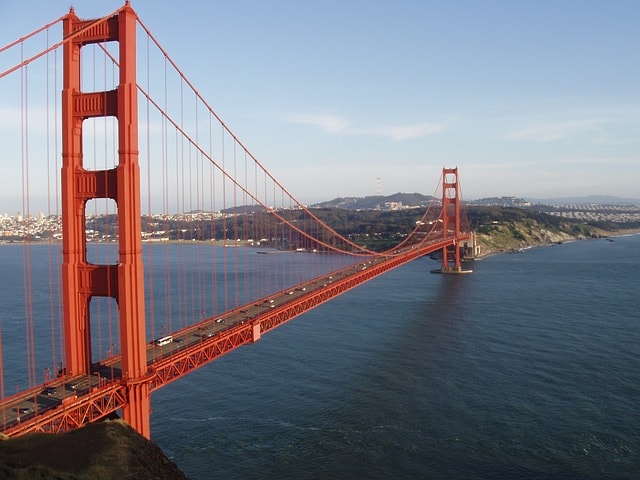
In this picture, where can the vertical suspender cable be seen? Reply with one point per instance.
(149, 284)
(188, 219)
(213, 221)
(52, 312)
(181, 210)
(224, 227)
(245, 236)
(28, 294)
(178, 263)
(165, 202)
(57, 189)
(98, 305)
(235, 225)
(200, 301)
(114, 140)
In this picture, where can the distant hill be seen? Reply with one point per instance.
(377, 202)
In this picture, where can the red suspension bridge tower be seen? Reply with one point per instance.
(451, 221)
(81, 279)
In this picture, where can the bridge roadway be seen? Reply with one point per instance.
(69, 402)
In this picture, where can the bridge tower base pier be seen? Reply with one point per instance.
(138, 410)
(452, 270)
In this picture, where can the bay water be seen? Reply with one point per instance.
(527, 368)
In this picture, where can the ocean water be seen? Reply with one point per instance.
(528, 368)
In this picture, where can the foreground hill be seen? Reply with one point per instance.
(109, 450)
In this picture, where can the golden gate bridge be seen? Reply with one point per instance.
(173, 277)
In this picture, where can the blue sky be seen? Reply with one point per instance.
(528, 98)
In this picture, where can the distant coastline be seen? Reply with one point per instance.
(499, 229)
(494, 246)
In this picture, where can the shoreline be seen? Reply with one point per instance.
(604, 235)
(487, 250)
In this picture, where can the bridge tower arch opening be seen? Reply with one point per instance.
(81, 279)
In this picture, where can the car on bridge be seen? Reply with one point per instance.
(48, 391)
(22, 412)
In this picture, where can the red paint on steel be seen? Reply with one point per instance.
(81, 280)
(450, 216)
(74, 411)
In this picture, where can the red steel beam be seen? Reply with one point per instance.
(74, 412)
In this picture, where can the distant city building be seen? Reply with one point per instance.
(392, 205)
(500, 202)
